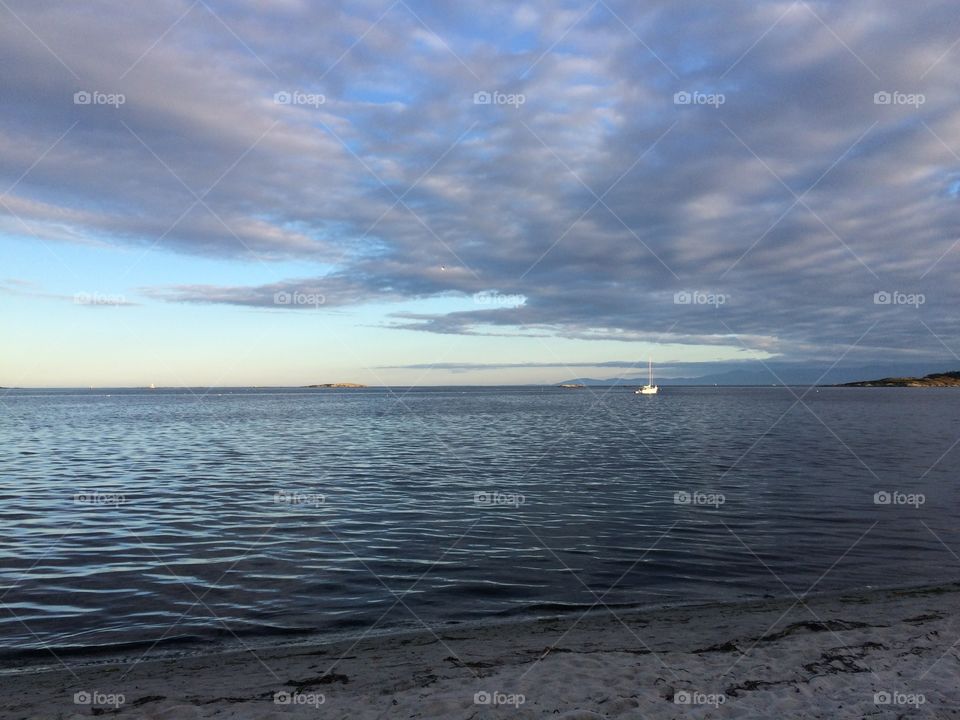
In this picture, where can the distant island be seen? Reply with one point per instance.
(336, 385)
(946, 379)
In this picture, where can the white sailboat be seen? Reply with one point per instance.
(649, 388)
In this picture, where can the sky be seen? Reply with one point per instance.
(232, 192)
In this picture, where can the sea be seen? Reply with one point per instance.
(139, 522)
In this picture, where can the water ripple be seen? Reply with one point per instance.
(134, 518)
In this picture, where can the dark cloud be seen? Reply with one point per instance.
(599, 198)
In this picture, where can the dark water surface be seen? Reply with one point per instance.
(134, 520)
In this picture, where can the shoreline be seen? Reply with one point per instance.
(27, 662)
(829, 656)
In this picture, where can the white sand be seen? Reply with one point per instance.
(826, 658)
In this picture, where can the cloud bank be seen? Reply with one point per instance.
(777, 176)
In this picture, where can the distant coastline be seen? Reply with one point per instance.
(336, 385)
(945, 379)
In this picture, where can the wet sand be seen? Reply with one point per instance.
(876, 654)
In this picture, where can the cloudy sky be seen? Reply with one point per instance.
(238, 192)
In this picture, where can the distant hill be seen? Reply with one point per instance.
(337, 385)
(946, 379)
(769, 373)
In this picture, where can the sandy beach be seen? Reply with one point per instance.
(877, 654)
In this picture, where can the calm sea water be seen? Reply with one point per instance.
(138, 520)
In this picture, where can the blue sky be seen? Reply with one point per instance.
(221, 192)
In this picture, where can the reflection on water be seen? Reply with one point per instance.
(139, 518)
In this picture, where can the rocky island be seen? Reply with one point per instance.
(946, 379)
(337, 385)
